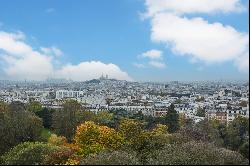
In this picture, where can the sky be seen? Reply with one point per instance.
(134, 40)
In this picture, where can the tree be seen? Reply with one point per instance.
(243, 103)
(65, 121)
(118, 115)
(46, 115)
(152, 140)
(111, 158)
(244, 149)
(172, 119)
(130, 129)
(57, 140)
(178, 101)
(30, 153)
(200, 99)
(3, 107)
(18, 125)
(143, 141)
(211, 130)
(92, 138)
(151, 122)
(195, 153)
(201, 112)
(34, 106)
(182, 120)
(139, 116)
(104, 118)
(237, 133)
(108, 101)
(187, 134)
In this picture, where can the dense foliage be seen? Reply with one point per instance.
(29, 153)
(66, 120)
(17, 125)
(111, 158)
(73, 136)
(195, 153)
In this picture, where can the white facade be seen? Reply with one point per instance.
(68, 94)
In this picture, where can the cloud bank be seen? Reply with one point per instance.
(20, 61)
(193, 6)
(195, 37)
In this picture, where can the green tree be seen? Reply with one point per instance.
(139, 116)
(30, 153)
(3, 106)
(200, 99)
(108, 101)
(201, 112)
(65, 121)
(34, 106)
(18, 125)
(104, 118)
(182, 120)
(195, 153)
(244, 149)
(172, 119)
(211, 130)
(111, 158)
(118, 115)
(243, 103)
(46, 115)
(237, 133)
(187, 134)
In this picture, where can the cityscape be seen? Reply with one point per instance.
(221, 100)
(124, 82)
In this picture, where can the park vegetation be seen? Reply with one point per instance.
(34, 135)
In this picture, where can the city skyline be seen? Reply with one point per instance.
(134, 40)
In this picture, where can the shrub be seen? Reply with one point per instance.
(195, 153)
(29, 153)
(111, 158)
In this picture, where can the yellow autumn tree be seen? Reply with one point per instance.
(182, 120)
(160, 129)
(92, 138)
(57, 140)
(131, 129)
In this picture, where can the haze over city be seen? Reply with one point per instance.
(133, 40)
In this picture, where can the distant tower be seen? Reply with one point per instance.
(102, 77)
(107, 76)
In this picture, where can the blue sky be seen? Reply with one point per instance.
(113, 32)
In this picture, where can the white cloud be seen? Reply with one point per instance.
(242, 62)
(155, 59)
(21, 61)
(52, 51)
(196, 37)
(90, 70)
(139, 65)
(157, 64)
(152, 54)
(192, 6)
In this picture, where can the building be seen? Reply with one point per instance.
(68, 94)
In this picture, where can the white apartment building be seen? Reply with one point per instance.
(60, 94)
